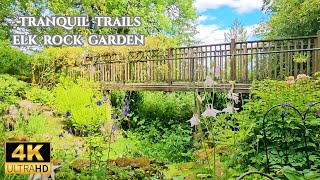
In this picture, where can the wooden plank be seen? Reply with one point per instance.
(290, 60)
(239, 88)
(224, 63)
(251, 67)
(257, 61)
(281, 62)
(308, 60)
(287, 63)
(276, 62)
(245, 63)
(206, 63)
(169, 63)
(295, 63)
(240, 59)
(232, 60)
(269, 61)
(317, 54)
(301, 64)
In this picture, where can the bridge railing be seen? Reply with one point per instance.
(240, 61)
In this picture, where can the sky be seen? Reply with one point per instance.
(216, 17)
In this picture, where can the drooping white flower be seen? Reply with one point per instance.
(194, 120)
(210, 111)
(209, 81)
(233, 96)
(230, 108)
(201, 98)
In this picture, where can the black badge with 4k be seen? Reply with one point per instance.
(28, 158)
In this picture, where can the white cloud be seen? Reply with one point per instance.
(240, 6)
(211, 34)
(205, 18)
(202, 18)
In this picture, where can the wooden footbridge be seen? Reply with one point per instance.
(182, 69)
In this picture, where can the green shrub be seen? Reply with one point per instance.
(163, 109)
(13, 61)
(248, 150)
(42, 96)
(171, 146)
(83, 107)
(11, 91)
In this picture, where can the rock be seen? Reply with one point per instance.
(45, 108)
(80, 164)
(140, 162)
(189, 177)
(123, 162)
(202, 176)
(18, 138)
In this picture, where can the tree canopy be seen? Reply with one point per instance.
(236, 31)
(291, 18)
(173, 18)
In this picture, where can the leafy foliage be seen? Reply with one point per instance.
(42, 96)
(13, 61)
(84, 108)
(164, 108)
(283, 137)
(11, 90)
(173, 145)
(174, 18)
(290, 18)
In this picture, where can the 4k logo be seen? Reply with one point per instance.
(27, 158)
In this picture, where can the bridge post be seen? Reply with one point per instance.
(233, 60)
(191, 65)
(170, 70)
(317, 53)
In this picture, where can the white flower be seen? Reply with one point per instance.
(230, 108)
(209, 81)
(233, 96)
(201, 98)
(194, 120)
(210, 112)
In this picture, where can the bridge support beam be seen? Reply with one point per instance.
(317, 53)
(233, 70)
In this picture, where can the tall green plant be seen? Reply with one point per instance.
(84, 108)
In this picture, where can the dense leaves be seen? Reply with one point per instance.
(290, 18)
(11, 91)
(14, 61)
(285, 137)
(83, 107)
(174, 18)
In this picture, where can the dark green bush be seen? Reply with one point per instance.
(174, 145)
(164, 108)
(14, 61)
(11, 91)
(248, 151)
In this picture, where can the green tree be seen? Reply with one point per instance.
(291, 18)
(14, 61)
(171, 17)
(236, 31)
